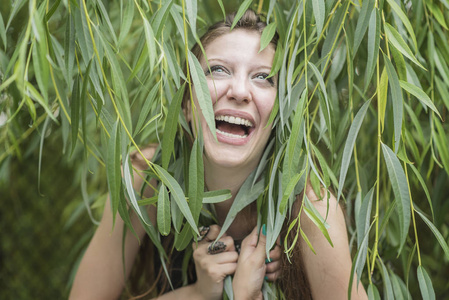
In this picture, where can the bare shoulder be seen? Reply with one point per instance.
(328, 267)
(139, 159)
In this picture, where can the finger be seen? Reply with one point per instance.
(203, 230)
(223, 244)
(213, 232)
(273, 276)
(273, 267)
(275, 254)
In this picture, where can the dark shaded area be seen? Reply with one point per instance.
(38, 246)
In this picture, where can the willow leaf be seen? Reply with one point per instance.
(388, 288)
(216, 196)
(319, 11)
(396, 40)
(160, 19)
(373, 46)
(267, 35)
(202, 92)
(420, 95)
(170, 128)
(149, 101)
(404, 20)
(288, 190)
(242, 9)
(442, 142)
(425, 284)
(113, 171)
(178, 195)
(349, 145)
(373, 293)
(182, 240)
(362, 23)
(163, 211)
(400, 190)
(383, 94)
(436, 233)
(315, 218)
(151, 42)
(424, 187)
(196, 179)
(192, 12)
(75, 111)
(246, 195)
(437, 14)
(398, 108)
(3, 32)
(126, 21)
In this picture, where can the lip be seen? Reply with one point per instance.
(231, 140)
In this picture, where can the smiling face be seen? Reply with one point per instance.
(242, 97)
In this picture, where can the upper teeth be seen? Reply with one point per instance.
(234, 120)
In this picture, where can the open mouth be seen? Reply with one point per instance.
(234, 127)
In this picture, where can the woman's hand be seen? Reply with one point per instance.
(213, 262)
(253, 267)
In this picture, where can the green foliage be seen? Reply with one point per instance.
(105, 78)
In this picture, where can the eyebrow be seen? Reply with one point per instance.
(217, 59)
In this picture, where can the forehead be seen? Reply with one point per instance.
(240, 45)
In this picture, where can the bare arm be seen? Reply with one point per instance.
(329, 269)
(100, 274)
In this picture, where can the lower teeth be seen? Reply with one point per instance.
(232, 135)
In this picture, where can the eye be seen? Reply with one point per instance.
(263, 76)
(217, 70)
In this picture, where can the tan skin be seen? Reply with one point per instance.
(238, 87)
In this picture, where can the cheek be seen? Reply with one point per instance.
(216, 89)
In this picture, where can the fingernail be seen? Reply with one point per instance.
(267, 260)
(264, 229)
(266, 278)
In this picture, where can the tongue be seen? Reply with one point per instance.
(231, 128)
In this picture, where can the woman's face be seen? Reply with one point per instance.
(242, 97)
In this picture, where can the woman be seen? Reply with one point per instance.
(243, 97)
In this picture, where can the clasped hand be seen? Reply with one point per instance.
(214, 261)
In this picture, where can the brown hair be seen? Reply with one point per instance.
(147, 276)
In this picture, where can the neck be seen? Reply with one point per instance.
(230, 178)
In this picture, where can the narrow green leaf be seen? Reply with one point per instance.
(319, 10)
(396, 40)
(75, 111)
(362, 23)
(373, 46)
(425, 284)
(316, 220)
(437, 13)
(202, 92)
(160, 18)
(124, 214)
(442, 142)
(267, 35)
(436, 233)
(398, 108)
(192, 12)
(182, 240)
(373, 293)
(242, 9)
(113, 171)
(127, 171)
(126, 21)
(388, 288)
(288, 190)
(3, 32)
(216, 196)
(424, 187)
(171, 126)
(383, 93)
(404, 20)
(196, 180)
(163, 211)
(420, 95)
(105, 15)
(400, 190)
(349, 145)
(149, 101)
(178, 195)
(151, 42)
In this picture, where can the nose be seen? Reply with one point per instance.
(239, 89)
